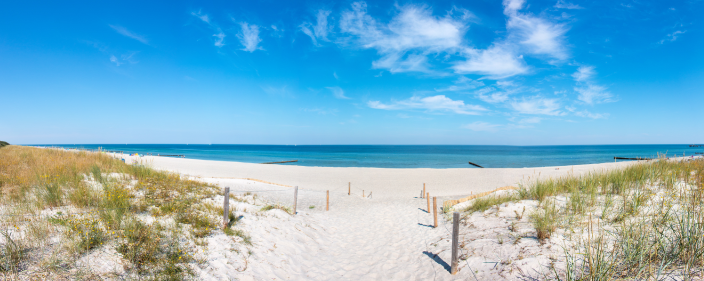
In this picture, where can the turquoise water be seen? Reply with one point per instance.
(405, 156)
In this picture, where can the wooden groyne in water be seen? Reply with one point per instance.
(279, 162)
(627, 158)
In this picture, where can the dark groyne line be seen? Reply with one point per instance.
(627, 158)
(279, 162)
(470, 163)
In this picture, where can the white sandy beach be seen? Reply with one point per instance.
(385, 237)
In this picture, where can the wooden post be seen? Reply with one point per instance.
(349, 188)
(226, 208)
(421, 195)
(427, 196)
(455, 241)
(327, 202)
(435, 211)
(362, 192)
(295, 199)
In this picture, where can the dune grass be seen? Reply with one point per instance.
(89, 200)
(645, 221)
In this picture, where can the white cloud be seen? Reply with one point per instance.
(537, 105)
(434, 103)
(561, 4)
(334, 74)
(338, 92)
(320, 30)
(249, 37)
(511, 6)
(538, 35)
(496, 62)
(587, 90)
(203, 17)
(584, 73)
(129, 34)
(219, 35)
(591, 94)
(114, 60)
(277, 91)
(495, 97)
(672, 36)
(588, 114)
(482, 126)
(125, 58)
(406, 41)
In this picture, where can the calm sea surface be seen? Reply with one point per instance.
(405, 156)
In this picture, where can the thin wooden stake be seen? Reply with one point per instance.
(455, 241)
(421, 195)
(349, 188)
(435, 211)
(327, 202)
(362, 192)
(226, 208)
(427, 195)
(295, 199)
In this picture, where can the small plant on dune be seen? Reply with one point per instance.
(484, 203)
(139, 243)
(545, 220)
(86, 233)
(276, 206)
(12, 253)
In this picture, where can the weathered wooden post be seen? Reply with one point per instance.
(362, 192)
(421, 195)
(427, 196)
(455, 241)
(327, 202)
(349, 188)
(226, 208)
(435, 211)
(295, 199)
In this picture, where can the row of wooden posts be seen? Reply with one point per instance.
(455, 229)
(455, 217)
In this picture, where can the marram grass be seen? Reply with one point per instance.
(90, 200)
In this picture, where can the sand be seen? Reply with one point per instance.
(388, 236)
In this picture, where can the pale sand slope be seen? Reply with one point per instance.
(386, 237)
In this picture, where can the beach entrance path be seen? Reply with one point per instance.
(358, 239)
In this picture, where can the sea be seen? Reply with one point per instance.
(403, 156)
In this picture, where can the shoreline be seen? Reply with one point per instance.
(384, 182)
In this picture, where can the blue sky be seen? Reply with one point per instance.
(383, 72)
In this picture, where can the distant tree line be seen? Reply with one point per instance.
(3, 143)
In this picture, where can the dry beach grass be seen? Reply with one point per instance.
(60, 207)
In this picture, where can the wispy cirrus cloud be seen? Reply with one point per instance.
(672, 36)
(249, 37)
(318, 31)
(588, 91)
(123, 31)
(591, 94)
(562, 4)
(539, 36)
(405, 42)
(219, 34)
(537, 105)
(338, 93)
(439, 103)
(496, 62)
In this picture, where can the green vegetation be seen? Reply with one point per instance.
(3, 143)
(89, 200)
